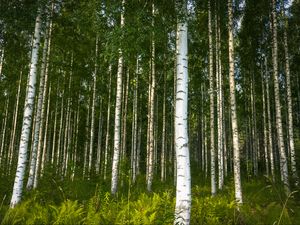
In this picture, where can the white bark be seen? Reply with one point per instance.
(212, 114)
(235, 133)
(183, 188)
(134, 126)
(265, 140)
(1, 61)
(219, 103)
(151, 103)
(283, 158)
(27, 117)
(99, 142)
(37, 126)
(116, 154)
(270, 139)
(86, 143)
(58, 149)
(107, 127)
(289, 100)
(92, 131)
(163, 141)
(75, 144)
(54, 132)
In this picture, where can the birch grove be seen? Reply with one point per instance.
(123, 110)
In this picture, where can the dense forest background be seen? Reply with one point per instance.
(101, 145)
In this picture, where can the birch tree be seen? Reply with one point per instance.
(211, 97)
(27, 116)
(234, 125)
(183, 183)
(283, 159)
(289, 98)
(93, 111)
(116, 153)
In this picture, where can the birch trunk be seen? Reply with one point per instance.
(219, 103)
(75, 144)
(58, 149)
(99, 142)
(86, 144)
(92, 131)
(54, 132)
(289, 100)
(116, 154)
(27, 117)
(134, 126)
(107, 126)
(163, 141)
(151, 111)
(1, 61)
(283, 159)
(265, 140)
(183, 183)
(211, 96)
(37, 125)
(270, 139)
(235, 133)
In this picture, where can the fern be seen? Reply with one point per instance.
(70, 212)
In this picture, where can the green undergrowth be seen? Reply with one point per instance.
(90, 202)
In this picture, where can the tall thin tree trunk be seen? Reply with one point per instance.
(283, 159)
(99, 142)
(86, 144)
(27, 117)
(219, 102)
(151, 111)
(107, 137)
(163, 141)
(135, 125)
(38, 120)
(265, 139)
(116, 154)
(270, 139)
(92, 131)
(75, 144)
(54, 131)
(1, 61)
(235, 133)
(183, 183)
(211, 97)
(289, 100)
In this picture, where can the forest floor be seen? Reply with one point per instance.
(90, 202)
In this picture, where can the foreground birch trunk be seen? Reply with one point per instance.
(38, 125)
(116, 154)
(183, 181)
(27, 116)
(235, 133)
